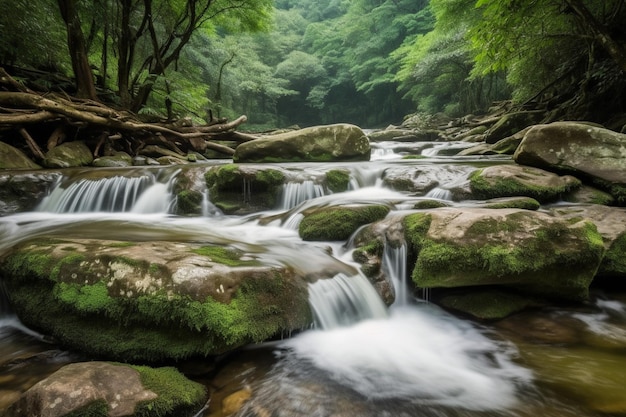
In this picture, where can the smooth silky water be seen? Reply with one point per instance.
(361, 358)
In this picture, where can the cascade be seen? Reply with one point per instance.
(440, 194)
(139, 194)
(295, 193)
(344, 300)
(394, 266)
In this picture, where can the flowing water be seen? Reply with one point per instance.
(361, 358)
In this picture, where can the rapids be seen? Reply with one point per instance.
(361, 358)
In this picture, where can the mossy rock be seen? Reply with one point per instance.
(338, 223)
(189, 202)
(338, 180)
(516, 180)
(530, 251)
(151, 301)
(111, 388)
(237, 189)
(526, 203)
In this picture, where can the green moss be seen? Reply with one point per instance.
(483, 188)
(614, 261)
(521, 203)
(337, 180)
(97, 408)
(224, 255)
(31, 264)
(428, 204)
(270, 177)
(177, 395)
(121, 244)
(414, 157)
(373, 248)
(189, 202)
(71, 261)
(338, 223)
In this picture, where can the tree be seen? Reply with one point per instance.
(85, 87)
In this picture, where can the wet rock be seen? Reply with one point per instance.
(516, 180)
(592, 153)
(120, 159)
(486, 304)
(100, 388)
(152, 300)
(421, 179)
(404, 135)
(23, 191)
(338, 223)
(13, 158)
(68, 154)
(242, 189)
(523, 250)
(339, 142)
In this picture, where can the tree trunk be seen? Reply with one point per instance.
(85, 87)
(599, 32)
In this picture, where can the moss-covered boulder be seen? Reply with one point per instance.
(337, 180)
(68, 154)
(338, 223)
(13, 158)
(338, 142)
(516, 180)
(486, 304)
(102, 389)
(150, 301)
(241, 189)
(118, 159)
(526, 203)
(611, 224)
(528, 251)
(591, 153)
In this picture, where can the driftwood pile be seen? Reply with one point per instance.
(40, 121)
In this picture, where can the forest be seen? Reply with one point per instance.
(306, 62)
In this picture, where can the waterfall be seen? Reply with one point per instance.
(440, 194)
(394, 266)
(138, 194)
(295, 193)
(344, 300)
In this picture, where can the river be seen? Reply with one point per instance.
(362, 358)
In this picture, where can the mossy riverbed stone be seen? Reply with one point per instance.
(151, 301)
(338, 223)
(529, 251)
(102, 389)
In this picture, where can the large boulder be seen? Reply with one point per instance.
(511, 123)
(13, 158)
(527, 251)
(68, 154)
(338, 142)
(338, 222)
(110, 389)
(151, 301)
(514, 180)
(589, 152)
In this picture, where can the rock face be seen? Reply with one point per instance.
(13, 158)
(529, 251)
(152, 300)
(115, 390)
(591, 153)
(69, 154)
(339, 142)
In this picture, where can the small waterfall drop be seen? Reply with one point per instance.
(394, 266)
(440, 194)
(295, 193)
(138, 194)
(344, 300)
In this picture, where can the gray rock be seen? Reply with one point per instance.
(339, 142)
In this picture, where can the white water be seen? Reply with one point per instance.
(296, 193)
(394, 266)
